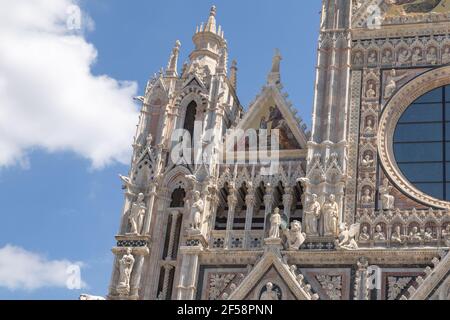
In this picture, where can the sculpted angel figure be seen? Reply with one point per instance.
(125, 268)
(295, 236)
(330, 211)
(196, 212)
(387, 200)
(391, 85)
(312, 215)
(368, 161)
(275, 223)
(137, 214)
(346, 239)
(415, 235)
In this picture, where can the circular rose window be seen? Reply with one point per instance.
(421, 143)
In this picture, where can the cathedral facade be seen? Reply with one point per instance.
(227, 204)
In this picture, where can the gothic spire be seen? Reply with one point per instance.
(173, 60)
(233, 74)
(274, 75)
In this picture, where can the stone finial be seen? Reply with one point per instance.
(211, 24)
(274, 75)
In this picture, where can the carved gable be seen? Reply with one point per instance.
(271, 111)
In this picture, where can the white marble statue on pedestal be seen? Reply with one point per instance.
(330, 211)
(125, 268)
(137, 214)
(196, 212)
(275, 223)
(312, 215)
(346, 239)
(387, 200)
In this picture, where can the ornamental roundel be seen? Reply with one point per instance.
(389, 121)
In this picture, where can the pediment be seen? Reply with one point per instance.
(193, 80)
(271, 111)
(286, 283)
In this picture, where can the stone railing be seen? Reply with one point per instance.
(238, 240)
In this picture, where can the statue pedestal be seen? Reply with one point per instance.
(275, 243)
(195, 238)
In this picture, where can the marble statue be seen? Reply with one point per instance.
(372, 59)
(196, 212)
(125, 268)
(387, 57)
(417, 56)
(368, 161)
(379, 234)
(295, 237)
(137, 214)
(358, 59)
(391, 83)
(364, 236)
(312, 215)
(404, 56)
(269, 294)
(369, 129)
(275, 223)
(397, 236)
(330, 213)
(428, 235)
(370, 92)
(432, 56)
(346, 238)
(387, 200)
(415, 235)
(367, 196)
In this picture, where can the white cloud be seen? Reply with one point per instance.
(49, 99)
(24, 270)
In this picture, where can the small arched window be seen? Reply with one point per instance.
(189, 120)
(177, 198)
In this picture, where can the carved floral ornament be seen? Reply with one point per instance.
(393, 111)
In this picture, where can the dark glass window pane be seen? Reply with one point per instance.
(448, 192)
(416, 152)
(422, 113)
(423, 172)
(447, 112)
(447, 131)
(432, 96)
(433, 189)
(447, 151)
(418, 132)
(447, 170)
(447, 93)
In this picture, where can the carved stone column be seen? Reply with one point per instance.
(173, 228)
(232, 202)
(361, 280)
(150, 203)
(250, 201)
(269, 200)
(187, 284)
(165, 289)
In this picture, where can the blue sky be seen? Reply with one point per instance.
(59, 188)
